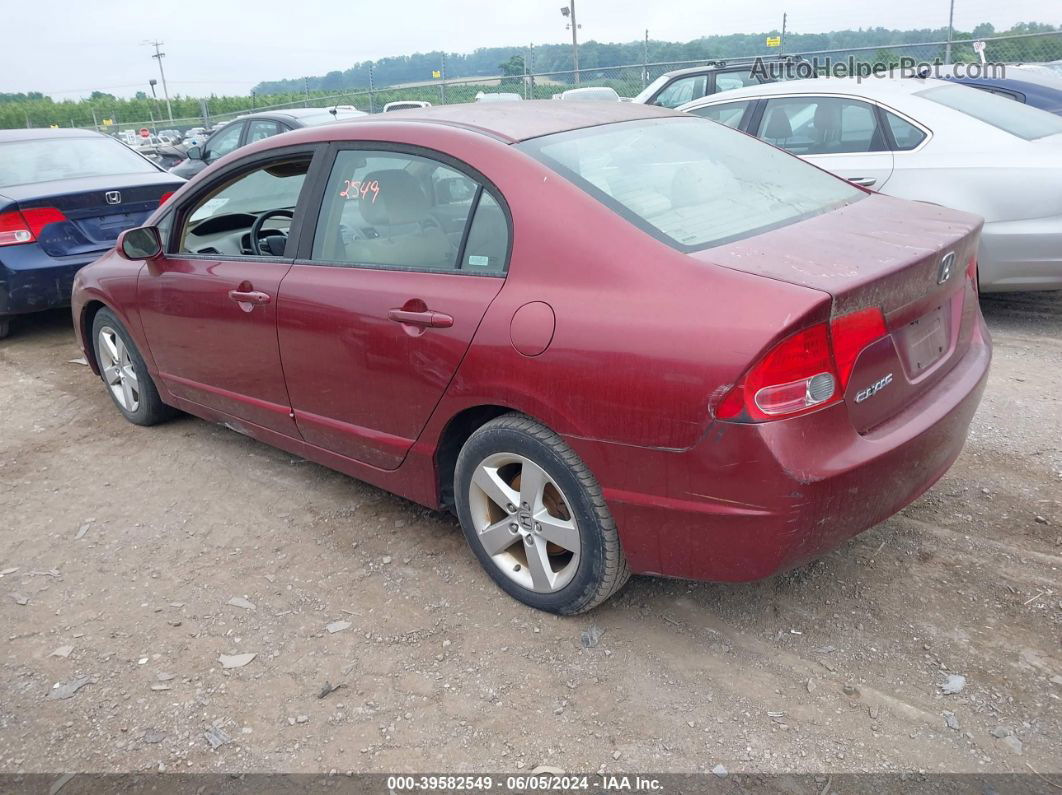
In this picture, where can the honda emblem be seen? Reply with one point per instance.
(945, 267)
(113, 197)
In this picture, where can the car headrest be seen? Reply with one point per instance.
(399, 200)
(778, 125)
(827, 117)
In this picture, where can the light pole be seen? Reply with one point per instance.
(159, 55)
(569, 12)
(951, 30)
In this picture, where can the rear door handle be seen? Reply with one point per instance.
(865, 182)
(249, 296)
(426, 319)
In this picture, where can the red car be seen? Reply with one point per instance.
(609, 337)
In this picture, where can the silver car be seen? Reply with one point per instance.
(927, 140)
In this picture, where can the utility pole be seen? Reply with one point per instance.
(781, 39)
(159, 55)
(575, 39)
(306, 92)
(95, 121)
(951, 31)
(645, 60)
(531, 69)
(442, 77)
(252, 99)
(372, 105)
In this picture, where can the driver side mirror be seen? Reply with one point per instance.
(194, 153)
(139, 244)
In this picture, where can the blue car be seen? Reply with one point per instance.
(1029, 86)
(65, 195)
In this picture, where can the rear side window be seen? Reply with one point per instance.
(1012, 117)
(821, 126)
(398, 210)
(261, 128)
(725, 81)
(688, 183)
(906, 135)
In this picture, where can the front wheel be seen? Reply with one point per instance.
(124, 372)
(535, 518)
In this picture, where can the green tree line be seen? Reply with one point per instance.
(35, 109)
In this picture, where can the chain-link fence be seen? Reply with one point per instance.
(629, 80)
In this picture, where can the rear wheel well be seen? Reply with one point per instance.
(458, 429)
(88, 314)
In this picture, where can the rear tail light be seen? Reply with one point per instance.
(24, 226)
(971, 270)
(166, 197)
(804, 372)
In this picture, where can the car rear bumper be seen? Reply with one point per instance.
(31, 281)
(1021, 255)
(751, 500)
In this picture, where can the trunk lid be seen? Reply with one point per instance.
(907, 259)
(97, 208)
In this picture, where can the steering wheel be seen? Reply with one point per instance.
(256, 227)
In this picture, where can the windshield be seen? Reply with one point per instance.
(1004, 114)
(48, 159)
(690, 182)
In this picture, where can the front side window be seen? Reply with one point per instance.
(1012, 117)
(689, 183)
(681, 91)
(224, 142)
(397, 210)
(728, 113)
(222, 222)
(50, 159)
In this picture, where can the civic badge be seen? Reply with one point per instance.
(113, 197)
(945, 267)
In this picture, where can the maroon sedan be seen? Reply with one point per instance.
(610, 338)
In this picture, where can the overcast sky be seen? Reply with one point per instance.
(68, 48)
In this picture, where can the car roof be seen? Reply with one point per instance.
(37, 133)
(519, 121)
(1015, 75)
(874, 88)
(715, 66)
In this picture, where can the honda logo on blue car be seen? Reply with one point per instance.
(113, 197)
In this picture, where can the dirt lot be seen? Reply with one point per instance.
(130, 543)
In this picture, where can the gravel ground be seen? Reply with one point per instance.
(135, 562)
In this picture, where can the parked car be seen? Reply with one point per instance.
(589, 94)
(1050, 67)
(929, 140)
(195, 136)
(254, 127)
(609, 337)
(497, 96)
(1038, 89)
(64, 197)
(405, 104)
(676, 88)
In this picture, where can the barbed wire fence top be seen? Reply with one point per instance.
(627, 80)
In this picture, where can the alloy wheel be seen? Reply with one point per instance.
(524, 522)
(118, 371)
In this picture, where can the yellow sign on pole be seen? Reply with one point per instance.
(53, 126)
(436, 73)
(108, 122)
(774, 41)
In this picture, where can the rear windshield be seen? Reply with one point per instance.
(1006, 114)
(690, 182)
(49, 159)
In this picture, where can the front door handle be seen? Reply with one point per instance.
(425, 319)
(249, 296)
(865, 182)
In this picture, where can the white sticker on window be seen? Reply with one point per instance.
(478, 261)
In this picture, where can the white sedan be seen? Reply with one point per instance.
(927, 140)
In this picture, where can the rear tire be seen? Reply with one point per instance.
(535, 517)
(124, 373)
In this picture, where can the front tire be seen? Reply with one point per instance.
(124, 373)
(535, 517)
